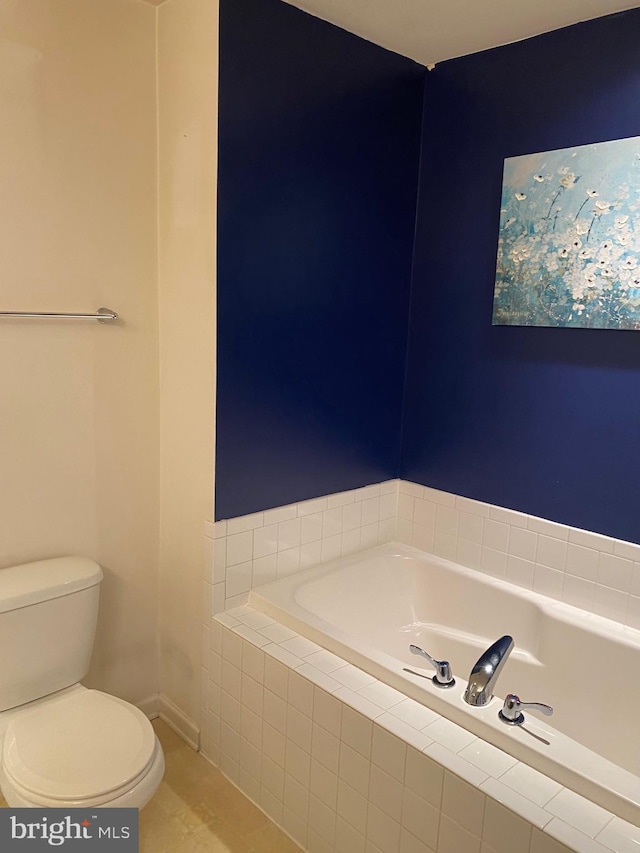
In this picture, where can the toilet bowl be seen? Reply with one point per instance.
(77, 748)
(73, 746)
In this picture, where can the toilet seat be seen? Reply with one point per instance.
(87, 748)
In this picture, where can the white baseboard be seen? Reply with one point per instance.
(178, 721)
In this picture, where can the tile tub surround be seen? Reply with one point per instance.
(594, 572)
(344, 763)
(368, 607)
(251, 550)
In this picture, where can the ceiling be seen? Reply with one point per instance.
(430, 31)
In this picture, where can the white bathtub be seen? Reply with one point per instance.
(369, 607)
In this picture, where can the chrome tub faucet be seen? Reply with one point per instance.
(485, 673)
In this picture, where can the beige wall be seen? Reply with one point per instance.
(78, 400)
(107, 432)
(187, 77)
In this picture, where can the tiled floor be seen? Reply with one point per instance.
(197, 810)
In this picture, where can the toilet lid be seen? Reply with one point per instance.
(78, 747)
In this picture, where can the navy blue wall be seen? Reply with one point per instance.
(546, 421)
(319, 145)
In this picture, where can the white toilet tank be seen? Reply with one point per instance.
(48, 615)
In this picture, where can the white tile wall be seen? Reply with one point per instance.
(328, 765)
(591, 571)
(251, 550)
(594, 572)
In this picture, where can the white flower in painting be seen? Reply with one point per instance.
(577, 244)
(521, 196)
(579, 307)
(509, 221)
(590, 273)
(520, 251)
(630, 264)
(564, 252)
(577, 291)
(607, 272)
(602, 207)
(623, 239)
(563, 170)
(582, 227)
(621, 221)
(552, 265)
(568, 180)
(538, 178)
(592, 193)
(586, 253)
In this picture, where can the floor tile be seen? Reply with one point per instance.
(197, 810)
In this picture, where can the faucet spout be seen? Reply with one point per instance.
(486, 671)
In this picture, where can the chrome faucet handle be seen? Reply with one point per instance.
(511, 712)
(443, 676)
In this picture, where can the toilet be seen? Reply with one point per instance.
(64, 745)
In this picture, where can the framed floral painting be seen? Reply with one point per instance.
(569, 244)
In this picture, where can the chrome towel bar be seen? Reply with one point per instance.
(102, 315)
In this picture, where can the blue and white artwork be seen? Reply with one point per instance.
(569, 245)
